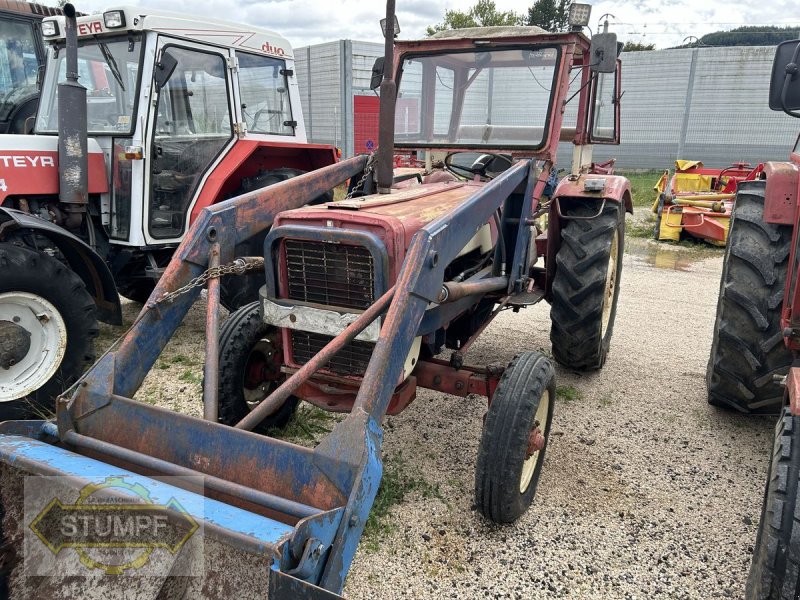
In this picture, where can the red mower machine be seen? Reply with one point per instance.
(360, 298)
(697, 201)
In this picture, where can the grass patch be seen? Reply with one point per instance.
(396, 484)
(568, 393)
(639, 229)
(642, 183)
(307, 423)
(190, 376)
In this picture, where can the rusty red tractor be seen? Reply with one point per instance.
(360, 300)
(753, 366)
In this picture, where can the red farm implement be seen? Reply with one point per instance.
(697, 201)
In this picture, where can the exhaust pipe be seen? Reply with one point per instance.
(385, 165)
(73, 160)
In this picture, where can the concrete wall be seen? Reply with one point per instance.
(704, 103)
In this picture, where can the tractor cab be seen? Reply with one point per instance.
(166, 98)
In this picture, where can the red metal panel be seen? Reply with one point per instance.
(365, 123)
(780, 197)
(35, 172)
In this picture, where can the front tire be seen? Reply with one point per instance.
(48, 325)
(250, 358)
(514, 440)
(775, 570)
(748, 348)
(586, 285)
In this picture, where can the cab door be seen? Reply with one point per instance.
(604, 116)
(190, 129)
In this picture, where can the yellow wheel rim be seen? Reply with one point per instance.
(540, 421)
(611, 283)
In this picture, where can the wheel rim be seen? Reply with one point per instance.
(611, 283)
(48, 343)
(262, 371)
(535, 448)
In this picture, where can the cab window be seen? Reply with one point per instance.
(264, 89)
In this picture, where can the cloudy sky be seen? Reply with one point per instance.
(663, 22)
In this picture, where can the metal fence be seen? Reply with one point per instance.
(703, 103)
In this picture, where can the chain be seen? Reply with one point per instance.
(237, 267)
(370, 166)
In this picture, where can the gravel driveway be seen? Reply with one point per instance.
(646, 492)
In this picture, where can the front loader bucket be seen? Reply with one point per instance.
(268, 526)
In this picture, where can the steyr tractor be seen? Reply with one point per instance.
(154, 117)
(753, 366)
(360, 301)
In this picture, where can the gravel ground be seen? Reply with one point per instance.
(646, 492)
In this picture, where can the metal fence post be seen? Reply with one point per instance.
(687, 106)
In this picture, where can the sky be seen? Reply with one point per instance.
(665, 23)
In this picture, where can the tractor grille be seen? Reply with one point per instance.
(351, 360)
(331, 274)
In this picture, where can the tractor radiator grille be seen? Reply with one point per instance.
(331, 274)
(351, 360)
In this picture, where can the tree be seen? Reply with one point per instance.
(483, 14)
(637, 47)
(552, 15)
(751, 36)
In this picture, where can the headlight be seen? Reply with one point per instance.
(114, 19)
(49, 28)
(579, 14)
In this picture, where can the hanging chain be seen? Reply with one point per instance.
(237, 267)
(368, 168)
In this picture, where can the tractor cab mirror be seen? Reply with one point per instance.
(603, 53)
(377, 74)
(784, 87)
(164, 69)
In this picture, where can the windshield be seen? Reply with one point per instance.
(497, 98)
(108, 69)
(18, 65)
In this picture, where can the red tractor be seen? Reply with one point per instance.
(753, 366)
(145, 119)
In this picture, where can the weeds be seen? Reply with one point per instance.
(306, 423)
(568, 393)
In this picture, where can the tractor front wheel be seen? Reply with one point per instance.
(47, 328)
(586, 284)
(775, 570)
(250, 359)
(514, 439)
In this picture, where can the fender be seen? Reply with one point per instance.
(617, 189)
(89, 265)
(780, 197)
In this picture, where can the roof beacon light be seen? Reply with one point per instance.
(579, 15)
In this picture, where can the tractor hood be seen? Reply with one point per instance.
(29, 166)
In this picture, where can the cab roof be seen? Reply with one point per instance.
(497, 31)
(212, 31)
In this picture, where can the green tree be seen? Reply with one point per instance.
(637, 47)
(483, 14)
(751, 36)
(552, 15)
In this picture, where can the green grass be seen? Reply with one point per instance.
(639, 229)
(306, 423)
(642, 183)
(396, 484)
(568, 393)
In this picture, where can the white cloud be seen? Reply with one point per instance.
(663, 22)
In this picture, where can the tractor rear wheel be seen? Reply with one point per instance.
(250, 359)
(47, 328)
(586, 285)
(748, 348)
(514, 439)
(775, 570)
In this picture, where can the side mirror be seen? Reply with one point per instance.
(784, 87)
(603, 53)
(164, 69)
(377, 74)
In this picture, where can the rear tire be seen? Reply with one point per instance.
(775, 570)
(507, 473)
(250, 357)
(586, 285)
(748, 348)
(32, 282)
